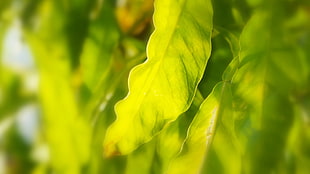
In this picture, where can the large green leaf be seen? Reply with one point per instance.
(268, 73)
(163, 87)
(258, 115)
(155, 156)
(201, 131)
(217, 106)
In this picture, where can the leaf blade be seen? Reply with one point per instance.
(168, 79)
(201, 131)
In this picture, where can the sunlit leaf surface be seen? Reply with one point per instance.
(97, 86)
(163, 87)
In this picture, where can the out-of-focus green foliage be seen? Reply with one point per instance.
(99, 86)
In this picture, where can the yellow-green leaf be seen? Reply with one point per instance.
(170, 140)
(201, 131)
(214, 112)
(163, 87)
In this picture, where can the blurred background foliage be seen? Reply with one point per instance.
(65, 63)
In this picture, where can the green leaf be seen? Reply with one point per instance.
(195, 148)
(163, 87)
(201, 131)
(141, 160)
(99, 46)
(98, 164)
(170, 140)
(261, 90)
